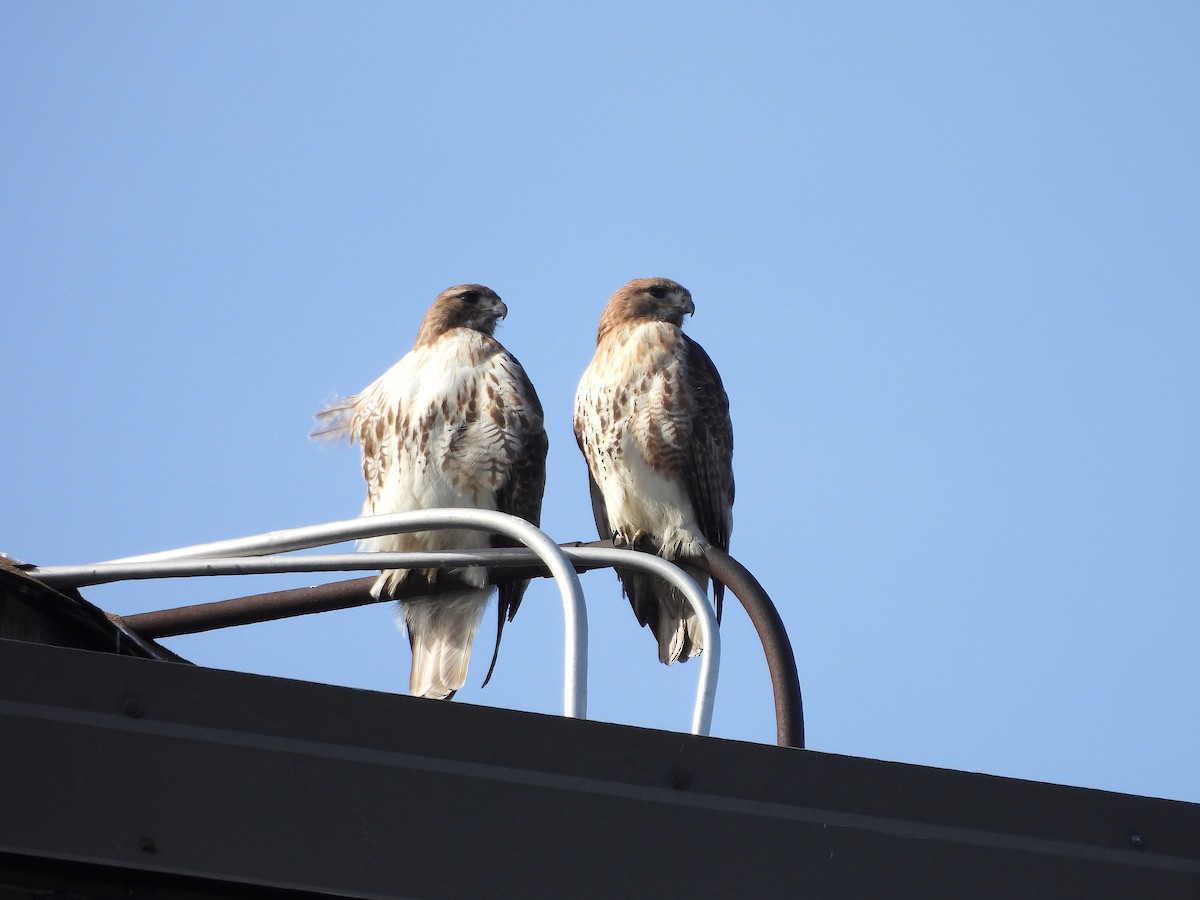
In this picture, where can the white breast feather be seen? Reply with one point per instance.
(421, 402)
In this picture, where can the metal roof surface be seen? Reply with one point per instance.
(132, 769)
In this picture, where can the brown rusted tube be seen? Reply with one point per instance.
(781, 661)
(254, 608)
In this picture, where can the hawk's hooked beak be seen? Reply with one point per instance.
(688, 307)
(501, 309)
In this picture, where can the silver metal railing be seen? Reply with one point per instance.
(255, 555)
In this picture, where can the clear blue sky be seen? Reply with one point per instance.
(946, 255)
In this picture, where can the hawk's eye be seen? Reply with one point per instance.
(658, 292)
(471, 297)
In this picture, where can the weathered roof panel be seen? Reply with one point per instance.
(120, 764)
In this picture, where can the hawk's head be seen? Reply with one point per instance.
(660, 299)
(462, 306)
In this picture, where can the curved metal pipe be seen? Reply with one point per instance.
(710, 659)
(574, 612)
(781, 660)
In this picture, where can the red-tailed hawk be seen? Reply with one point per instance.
(652, 420)
(455, 423)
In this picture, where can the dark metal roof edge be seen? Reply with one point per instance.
(75, 620)
(257, 780)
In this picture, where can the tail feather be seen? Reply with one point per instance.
(441, 632)
(675, 625)
(496, 650)
(508, 601)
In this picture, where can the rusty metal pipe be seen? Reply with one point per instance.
(253, 608)
(781, 661)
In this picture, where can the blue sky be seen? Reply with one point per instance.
(944, 254)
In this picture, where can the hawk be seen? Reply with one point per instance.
(455, 423)
(652, 420)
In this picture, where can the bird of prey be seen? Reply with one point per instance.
(455, 423)
(652, 420)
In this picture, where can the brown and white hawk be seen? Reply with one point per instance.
(455, 423)
(652, 420)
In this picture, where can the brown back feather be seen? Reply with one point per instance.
(520, 496)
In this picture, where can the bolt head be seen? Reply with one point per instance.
(133, 708)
